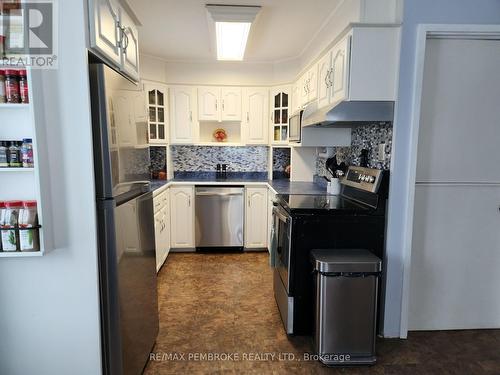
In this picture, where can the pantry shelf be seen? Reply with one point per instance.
(16, 170)
(19, 254)
(14, 106)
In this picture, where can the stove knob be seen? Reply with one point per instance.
(366, 178)
(371, 179)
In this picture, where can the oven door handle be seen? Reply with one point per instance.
(280, 215)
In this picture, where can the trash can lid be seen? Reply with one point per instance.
(345, 260)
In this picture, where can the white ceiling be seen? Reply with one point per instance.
(177, 30)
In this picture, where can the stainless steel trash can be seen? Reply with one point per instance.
(346, 288)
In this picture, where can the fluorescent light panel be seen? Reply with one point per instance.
(232, 40)
(232, 27)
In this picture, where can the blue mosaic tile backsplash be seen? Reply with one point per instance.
(206, 158)
(363, 137)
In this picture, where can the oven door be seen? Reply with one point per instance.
(283, 233)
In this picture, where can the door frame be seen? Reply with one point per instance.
(424, 32)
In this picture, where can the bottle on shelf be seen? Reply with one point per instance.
(12, 86)
(27, 153)
(28, 227)
(2, 86)
(15, 155)
(23, 87)
(9, 220)
(4, 154)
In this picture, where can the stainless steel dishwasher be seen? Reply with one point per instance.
(219, 217)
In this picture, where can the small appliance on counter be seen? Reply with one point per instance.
(355, 219)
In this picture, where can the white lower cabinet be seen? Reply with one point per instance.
(256, 217)
(182, 217)
(162, 227)
(270, 205)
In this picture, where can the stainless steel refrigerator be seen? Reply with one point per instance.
(127, 270)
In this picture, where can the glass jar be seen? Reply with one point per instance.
(2, 86)
(12, 86)
(15, 155)
(9, 224)
(27, 153)
(28, 227)
(23, 87)
(4, 154)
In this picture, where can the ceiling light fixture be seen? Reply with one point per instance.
(232, 27)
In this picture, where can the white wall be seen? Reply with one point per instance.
(49, 307)
(415, 12)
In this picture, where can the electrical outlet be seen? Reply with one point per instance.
(381, 152)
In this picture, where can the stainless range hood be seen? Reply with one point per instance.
(348, 113)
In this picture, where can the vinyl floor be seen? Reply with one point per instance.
(218, 316)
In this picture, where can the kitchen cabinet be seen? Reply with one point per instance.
(362, 66)
(162, 227)
(219, 104)
(309, 85)
(296, 97)
(129, 118)
(130, 45)
(280, 111)
(270, 205)
(183, 114)
(256, 218)
(157, 109)
(114, 35)
(256, 110)
(182, 217)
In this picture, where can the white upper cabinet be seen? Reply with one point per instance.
(130, 45)
(324, 72)
(280, 112)
(256, 112)
(114, 35)
(157, 108)
(256, 213)
(296, 96)
(105, 34)
(231, 104)
(339, 73)
(182, 217)
(208, 103)
(309, 85)
(183, 114)
(219, 104)
(361, 66)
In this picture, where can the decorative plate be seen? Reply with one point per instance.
(220, 135)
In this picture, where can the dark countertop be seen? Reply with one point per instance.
(281, 186)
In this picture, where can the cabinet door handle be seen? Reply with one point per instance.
(248, 117)
(216, 106)
(189, 201)
(331, 77)
(191, 116)
(327, 83)
(223, 106)
(249, 202)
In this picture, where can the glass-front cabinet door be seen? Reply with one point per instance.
(280, 112)
(157, 99)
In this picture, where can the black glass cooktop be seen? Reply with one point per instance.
(320, 202)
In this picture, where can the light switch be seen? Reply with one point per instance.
(381, 152)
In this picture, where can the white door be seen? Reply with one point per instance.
(340, 72)
(324, 71)
(256, 214)
(182, 116)
(256, 112)
(130, 45)
(208, 103)
(231, 104)
(157, 109)
(182, 217)
(312, 83)
(455, 258)
(104, 31)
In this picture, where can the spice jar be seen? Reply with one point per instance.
(23, 87)
(12, 86)
(27, 153)
(8, 226)
(2, 86)
(28, 227)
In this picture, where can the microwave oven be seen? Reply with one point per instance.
(295, 127)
